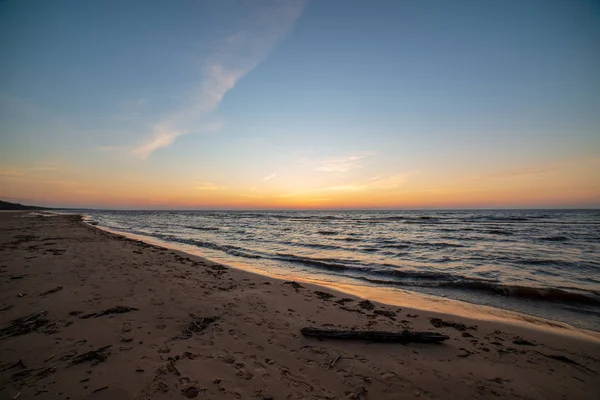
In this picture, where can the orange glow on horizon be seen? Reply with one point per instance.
(575, 185)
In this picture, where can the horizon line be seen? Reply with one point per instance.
(330, 209)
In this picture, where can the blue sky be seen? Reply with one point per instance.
(320, 104)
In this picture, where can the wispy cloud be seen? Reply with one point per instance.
(263, 26)
(61, 183)
(47, 176)
(390, 182)
(10, 172)
(163, 136)
(86, 192)
(268, 178)
(341, 164)
(373, 184)
(47, 167)
(30, 171)
(207, 186)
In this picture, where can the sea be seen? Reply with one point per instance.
(544, 263)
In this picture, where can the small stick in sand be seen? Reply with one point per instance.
(332, 363)
(49, 358)
(56, 289)
(198, 326)
(99, 389)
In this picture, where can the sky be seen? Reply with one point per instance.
(293, 104)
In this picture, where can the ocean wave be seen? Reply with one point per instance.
(203, 228)
(458, 229)
(395, 254)
(398, 218)
(311, 245)
(399, 246)
(332, 264)
(242, 254)
(391, 244)
(201, 243)
(327, 232)
(292, 216)
(554, 238)
(442, 244)
(422, 222)
(520, 260)
(368, 249)
(527, 292)
(498, 232)
(350, 239)
(392, 271)
(543, 261)
(433, 279)
(515, 291)
(496, 218)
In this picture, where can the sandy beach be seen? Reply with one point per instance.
(89, 314)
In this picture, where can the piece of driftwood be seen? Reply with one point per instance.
(375, 336)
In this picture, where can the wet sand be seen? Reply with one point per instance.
(104, 316)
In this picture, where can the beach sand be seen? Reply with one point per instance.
(115, 318)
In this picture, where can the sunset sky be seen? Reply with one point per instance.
(293, 104)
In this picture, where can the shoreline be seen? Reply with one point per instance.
(99, 289)
(521, 264)
(416, 301)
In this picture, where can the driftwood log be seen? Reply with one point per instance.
(376, 336)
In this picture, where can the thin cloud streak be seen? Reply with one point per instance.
(390, 182)
(341, 164)
(265, 25)
(207, 186)
(163, 137)
(268, 178)
(10, 172)
(47, 176)
(385, 183)
(44, 168)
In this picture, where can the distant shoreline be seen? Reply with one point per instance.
(4, 205)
